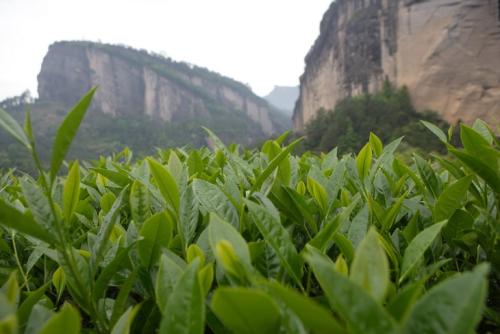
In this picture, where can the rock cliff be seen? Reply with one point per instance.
(447, 52)
(135, 82)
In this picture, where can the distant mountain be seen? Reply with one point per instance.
(144, 101)
(137, 82)
(283, 98)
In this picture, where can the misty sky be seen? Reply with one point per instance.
(259, 42)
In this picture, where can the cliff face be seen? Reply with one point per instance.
(132, 82)
(447, 52)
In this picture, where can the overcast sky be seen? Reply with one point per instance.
(259, 42)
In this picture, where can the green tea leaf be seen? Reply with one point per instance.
(23, 222)
(451, 199)
(67, 132)
(292, 200)
(24, 310)
(284, 136)
(324, 237)
(140, 204)
(166, 183)
(484, 130)
(386, 158)
(471, 139)
(344, 246)
(478, 146)
(274, 164)
(391, 214)
(428, 175)
(229, 261)
(436, 131)
(66, 321)
(460, 223)
(185, 311)
(359, 227)
(402, 303)
(188, 215)
(39, 206)
(106, 202)
(402, 169)
(213, 199)
(264, 259)
(71, 194)
(168, 275)
(121, 301)
(59, 281)
(341, 265)
(118, 178)
(175, 165)
(314, 316)
(39, 315)
(278, 238)
(370, 268)
(195, 163)
(451, 166)
(360, 311)
(272, 149)
(28, 129)
(78, 275)
(453, 306)
(123, 324)
(216, 140)
(244, 310)
(206, 277)
(364, 161)
(11, 289)
(13, 128)
(156, 233)
(376, 144)
(194, 251)
(219, 230)
(318, 192)
(102, 239)
(111, 270)
(486, 172)
(417, 247)
(8, 324)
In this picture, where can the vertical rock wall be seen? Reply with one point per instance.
(131, 83)
(447, 52)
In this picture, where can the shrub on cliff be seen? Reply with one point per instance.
(388, 113)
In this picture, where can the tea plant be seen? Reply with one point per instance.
(262, 241)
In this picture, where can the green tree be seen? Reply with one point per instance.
(389, 113)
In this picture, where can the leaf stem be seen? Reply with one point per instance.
(16, 255)
(65, 248)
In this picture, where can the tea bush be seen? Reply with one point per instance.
(253, 241)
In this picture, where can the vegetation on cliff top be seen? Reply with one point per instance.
(260, 241)
(179, 72)
(389, 113)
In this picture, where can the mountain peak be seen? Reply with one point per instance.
(283, 97)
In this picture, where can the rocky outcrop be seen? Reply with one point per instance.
(132, 82)
(447, 52)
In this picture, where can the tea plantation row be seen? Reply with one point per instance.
(228, 240)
